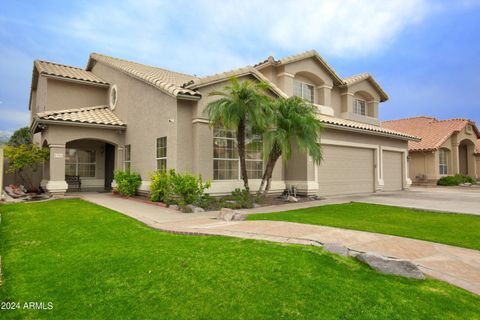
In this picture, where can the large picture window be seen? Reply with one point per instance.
(80, 162)
(443, 161)
(303, 90)
(162, 154)
(226, 163)
(127, 160)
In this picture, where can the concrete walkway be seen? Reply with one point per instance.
(458, 266)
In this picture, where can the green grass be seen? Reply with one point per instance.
(455, 229)
(94, 263)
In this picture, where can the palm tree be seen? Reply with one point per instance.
(242, 106)
(294, 120)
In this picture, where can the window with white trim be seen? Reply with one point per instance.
(226, 163)
(443, 161)
(127, 159)
(161, 154)
(303, 90)
(359, 107)
(80, 162)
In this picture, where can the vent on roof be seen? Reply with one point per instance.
(469, 129)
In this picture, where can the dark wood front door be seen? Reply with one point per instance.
(109, 165)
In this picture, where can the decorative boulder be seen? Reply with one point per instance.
(391, 265)
(226, 214)
(292, 199)
(336, 248)
(173, 207)
(198, 209)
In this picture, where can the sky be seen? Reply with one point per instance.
(424, 53)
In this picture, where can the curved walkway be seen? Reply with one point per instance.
(458, 266)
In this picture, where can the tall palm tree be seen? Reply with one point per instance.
(294, 120)
(242, 106)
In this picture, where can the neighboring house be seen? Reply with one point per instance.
(117, 114)
(448, 147)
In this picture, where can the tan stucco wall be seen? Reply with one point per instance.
(63, 95)
(478, 166)
(423, 164)
(146, 111)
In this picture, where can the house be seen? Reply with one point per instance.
(117, 114)
(448, 147)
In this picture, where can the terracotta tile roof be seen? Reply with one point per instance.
(432, 131)
(168, 81)
(204, 81)
(366, 76)
(92, 115)
(63, 71)
(363, 126)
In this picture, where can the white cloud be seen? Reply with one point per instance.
(212, 35)
(15, 117)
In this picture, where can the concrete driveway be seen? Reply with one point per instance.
(456, 199)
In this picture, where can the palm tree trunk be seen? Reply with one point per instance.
(275, 153)
(241, 153)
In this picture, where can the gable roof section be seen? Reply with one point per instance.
(68, 72)
(328, 120)
(433, 132)
(349, 81)
(219, 77)
(167, 81)
(98, 115)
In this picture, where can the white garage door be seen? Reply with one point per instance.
(392, 171)
(346, 170)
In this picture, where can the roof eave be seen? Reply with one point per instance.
(371, 132)
(38, 121)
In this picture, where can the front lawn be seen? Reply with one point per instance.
(455, 229)
(94, 263)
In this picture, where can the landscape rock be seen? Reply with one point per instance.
(188, 208)
(173, 207)
(256, 205)
(226, 214)
(394, 266)
(239, 216)
(198, 209)
(336, 248)
(292, 199)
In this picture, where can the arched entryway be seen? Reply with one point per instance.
(89, 165)
(466, 160)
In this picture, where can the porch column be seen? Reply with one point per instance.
(455, 158)
(56, 183)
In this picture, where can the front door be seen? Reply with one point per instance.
(109, 165)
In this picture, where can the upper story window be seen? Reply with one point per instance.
(443, 161)
(113, 97)
(303, 90)
(359, 107)
(127, 161)
(162, 154)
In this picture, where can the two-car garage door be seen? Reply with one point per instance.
(346, 170)
(350, 170)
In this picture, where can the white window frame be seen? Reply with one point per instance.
(77, 163)
(157, 157)
(443, 165)
(303, 92)
(239, 173)
(127, 162)
(360, 107)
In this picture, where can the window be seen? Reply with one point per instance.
(359, 107)
(113, 97)
(162, 154)
(80, 163)
(469, 128)
(127, 160)
(226, 163)
(303, 90)
(443, 161)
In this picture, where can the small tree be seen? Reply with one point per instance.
(294, 120)
(20, 136)
(25, 156)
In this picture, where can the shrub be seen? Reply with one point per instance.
(239, 199)
(455, 180)
(25, 156)
(127, 182)
(207, 202)
(183, 188)
(161, 187)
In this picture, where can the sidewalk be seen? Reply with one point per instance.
(458, 266)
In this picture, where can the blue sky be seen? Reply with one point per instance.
(425, 53)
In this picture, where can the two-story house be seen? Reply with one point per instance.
(117, 114)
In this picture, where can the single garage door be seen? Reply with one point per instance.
(392, 171)
(346, 170)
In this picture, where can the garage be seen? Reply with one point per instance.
(346, 170)
(392, 171)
